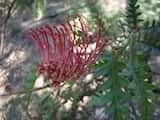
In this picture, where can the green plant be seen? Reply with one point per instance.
(150, 34)
(113, 90)
(127, 73)
(133, 15)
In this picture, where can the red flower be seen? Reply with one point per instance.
(64, 54)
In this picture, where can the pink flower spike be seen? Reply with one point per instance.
(65, 56)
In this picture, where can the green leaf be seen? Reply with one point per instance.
(103, 99)
(98, 100)
(123, 81)
(106, 56)
(38, 8)
(44, 97)
(107, 84)
(26, 99)
(29, 84)
(70, 82)
(79, 33)
(132, 85)
(101, 69)
(148, 86)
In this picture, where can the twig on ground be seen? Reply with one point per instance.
(25, 91)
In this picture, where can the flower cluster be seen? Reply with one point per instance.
(67, 51)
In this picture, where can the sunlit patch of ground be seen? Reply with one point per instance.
(113, 5)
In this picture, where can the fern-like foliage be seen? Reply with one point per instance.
(133, 14)
(111, 93)
(150, 33)
(137, 68)
(150, 30)
(140, 74)
(117, 88)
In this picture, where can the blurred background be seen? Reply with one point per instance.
(18, 58)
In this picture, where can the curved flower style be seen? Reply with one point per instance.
(67, 51)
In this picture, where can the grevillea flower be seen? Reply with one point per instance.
(67, 51)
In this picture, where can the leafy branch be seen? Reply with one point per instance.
(138, 71)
